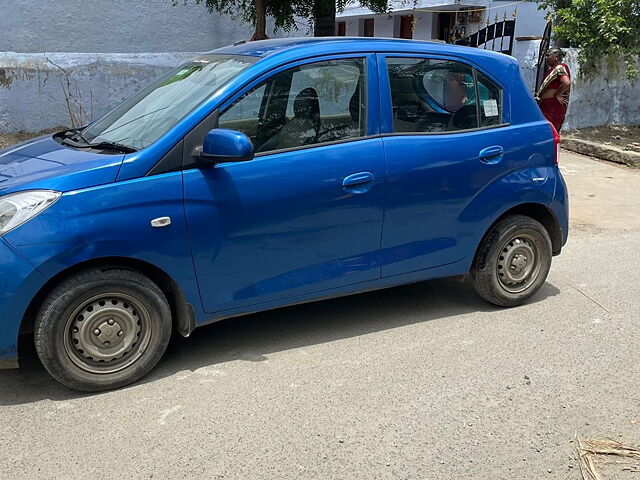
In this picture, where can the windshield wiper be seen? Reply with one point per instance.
(104, 145)
(115, 146)
(75, 143)
(77, 132)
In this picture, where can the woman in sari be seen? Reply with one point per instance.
(553, 95)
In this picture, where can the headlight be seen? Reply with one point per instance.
(17, 208)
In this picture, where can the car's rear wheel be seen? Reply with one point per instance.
(103, 328)
(513, 261)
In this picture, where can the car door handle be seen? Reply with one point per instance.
(491, 154)
(358, 182)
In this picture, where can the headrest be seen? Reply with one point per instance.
(466, 117)
(306, 104)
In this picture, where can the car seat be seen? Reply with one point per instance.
(304, 127)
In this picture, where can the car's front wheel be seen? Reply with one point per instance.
(103, 328)
(513, 261)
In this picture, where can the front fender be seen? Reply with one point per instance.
(114, 221)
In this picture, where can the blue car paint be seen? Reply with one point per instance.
(305, 231)
(19, 282)
(430, 201)
(112, 221)
(43, 163)
(226, 143)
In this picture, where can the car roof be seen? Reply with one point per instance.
(327, 45)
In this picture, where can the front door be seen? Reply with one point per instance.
(441, 153)
(305, 215)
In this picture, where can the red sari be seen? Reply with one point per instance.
(552, 109)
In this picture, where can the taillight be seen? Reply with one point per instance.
(556, 142)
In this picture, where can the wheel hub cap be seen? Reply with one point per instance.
(518, 264)
(107, 333)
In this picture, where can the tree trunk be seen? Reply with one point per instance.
(324, 18)
(261, 20)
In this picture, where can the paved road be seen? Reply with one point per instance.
(417, 382)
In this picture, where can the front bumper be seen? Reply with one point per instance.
(19, 282)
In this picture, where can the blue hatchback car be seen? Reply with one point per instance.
(268, 174)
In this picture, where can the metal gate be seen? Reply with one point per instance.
(497, 37)
(542, 60)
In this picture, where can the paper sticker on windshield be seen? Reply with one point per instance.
(490, 108)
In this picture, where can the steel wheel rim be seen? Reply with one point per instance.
(107, 333)
(519, 263)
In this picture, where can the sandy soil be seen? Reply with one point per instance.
(625, 137)
(7, 139)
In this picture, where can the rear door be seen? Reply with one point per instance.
(444, 125)
(306, 214)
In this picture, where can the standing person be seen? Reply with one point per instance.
(553, 95)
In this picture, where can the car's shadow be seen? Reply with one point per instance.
(253, 337)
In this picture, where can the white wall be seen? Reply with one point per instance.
(351, 26)
(383, 26)
(31, 94)
(607, 99)
(425, 26)
(386, 26)
(122, 26)
(529, 20)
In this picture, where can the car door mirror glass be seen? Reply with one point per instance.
(222, 145)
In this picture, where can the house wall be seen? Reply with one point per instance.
(383, 26)
(113, 26)
(388, 26)
(608, 98)
(105, 49)
(425, 26)
(34, 87)
(529, 20)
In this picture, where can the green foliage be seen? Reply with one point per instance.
(283, 12)
(600, 28)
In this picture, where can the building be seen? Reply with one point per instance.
(447, 21)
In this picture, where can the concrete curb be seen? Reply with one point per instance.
(599, 150)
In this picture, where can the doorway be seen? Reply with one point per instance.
(406, 26)
(446, 24)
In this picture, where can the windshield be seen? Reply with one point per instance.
(152, 112)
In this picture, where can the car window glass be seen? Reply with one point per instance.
(249, 109)
(490, 96)
(334, 84)
(305, 105)
(430, 95)
(149, 114)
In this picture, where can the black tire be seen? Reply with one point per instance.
(512, 262)
(102, 329)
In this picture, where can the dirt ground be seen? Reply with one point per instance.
(625, 137)
(7, 139)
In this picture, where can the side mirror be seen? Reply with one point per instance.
(222, 145)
